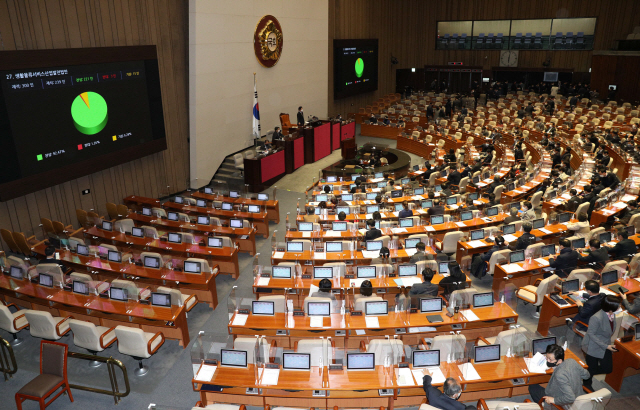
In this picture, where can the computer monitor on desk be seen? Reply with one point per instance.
(339, 226)
(152, 262)
(477, 234)
(319, 308)
(548, 250)
(486, 354)
(429, 305)
(374, 245)
(508, 229)
(466, 216)
(408, 270)
(119, 294)
(192, 267)
(564, 217)
(609, 277)
(173, 237)
(305, 226)
(538, 223)
(320, 272)
(172, 216)
(443, 268)
(233, 358)
(160, 299)
(16, 272)
(136, 232)
(45, 280)
(426, 358)
(376, 308)
(367, 272)
(266, 308)
(80, 288)
(361, 361)
(540, 345)
(569, 286)
(295, 246)
(203, 220)
(406, 222)
(296, 361)
(516, 256)
(281, 272)
(146, 211)
(483, 299)
(437, 219)
(333, 246)
(578, 243)
(411, 243)
(493, 211)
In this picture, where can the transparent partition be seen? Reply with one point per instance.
(207, 348)
(219, 188)
(507, 294)
(240, 302)
(462, 298)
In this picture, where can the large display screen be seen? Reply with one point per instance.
(355, 67)
(67, 113)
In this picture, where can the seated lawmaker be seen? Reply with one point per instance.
(565, 384)
(50, 257)
(406, 212)
(590, 306)
(597, 256)
(447, 400)
(372, 233)
(425, 288)
(420, 254)
(566, 261)
(582, 228)
(526, 239)
(625, 248)
(277, 135)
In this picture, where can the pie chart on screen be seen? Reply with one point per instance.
(89, 113)
(359, 67)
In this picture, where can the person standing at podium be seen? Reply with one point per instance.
(300, 116)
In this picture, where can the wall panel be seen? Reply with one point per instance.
(407, 29)
(47, 24)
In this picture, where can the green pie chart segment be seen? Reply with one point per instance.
(89, 113)
(359, 67)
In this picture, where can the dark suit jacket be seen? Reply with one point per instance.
(436, 210)
(454, 177)
(623, 249)
(438, 399)
(372, 234)
(588, 309)
(424, 289)
(405, 213)
(276, 136)
(421, 256)
(510, 219)
(565, 262)
(300, 118)
(523, 241)
(599, 258)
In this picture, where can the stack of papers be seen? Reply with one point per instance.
(436, 374)
(536, 364)
(404, 377)
(430, 228)
(240, 320)
(398, 230)
(306, 234)
(263, 281)
(411, 251)
(319, 255)
(476, 244)
(417, 197)
(278, 255)
(542, 261)
(270, 377)
(371, 321)
(512, 268)
(510, 238)
(421, 211)
(206, 373)
(316, 321)
(468, 371)
(461, 224)
(396, 213)
(370, 254)
(332, 233)
(469, 315)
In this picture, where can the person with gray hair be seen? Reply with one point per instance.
(513, 217)
(447, 400)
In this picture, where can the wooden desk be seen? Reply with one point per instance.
(225, 258)
(601, 215)
(625, 361)
(272, 206)
(357, 259)
(350, 330)
(552, 314)
(259, 220)
(244, 237)
(360, 388)
(172, 322)
(203, 285)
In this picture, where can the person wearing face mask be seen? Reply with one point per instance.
(300, 116)
(447, 400)
(528, 214)
(597, 343)
(565, 382)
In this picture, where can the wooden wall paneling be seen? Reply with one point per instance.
(8, 39)
(34, 214)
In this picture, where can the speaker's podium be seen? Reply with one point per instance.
(317, 140)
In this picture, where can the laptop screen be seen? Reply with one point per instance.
(564, 217)
(214, 242)
(16, 272)
(371, 195)
(578, 243)
(477, 234)
(398, 207)
(226, 206)
(254, 209)
(466, 216)
(373, 208)
(484, 354)
(321, 198)
(344, 209)
(443, 268)
(405, 181)
(430, 305)
(452, 200)
(296, 361)
(376, 308)
(262, 307)
(418, 191)
(482, 299)
(208, 191)
(374, 245)
(107, 226)
(319, 308)
(411, 243)
(609, 277)
(569, 286)
(84, 250)
(366, 272)
(548, 250)
(378, 175)
(334, 246)
(172, 216)
(427, 204)
(406, 222)
(493, 211)
(146, 211)
(473, 196)
(295, 246)
(516, 256)
(347, 197)
(508, 229)
(437, 219)
(320, 272)
(426, 358)
(160, 299)
(281, 272)
(192, 267)
(114, 256)
(236, 358)
(538, 223)
(118, 294)
(178, 200)
(235, 223)
(263, 197)
(201, 203)
(305, 226)
(396, 194)
(540, 345)
(408, 270)
(339, 226)
(605, 237)
(332, 178)
(361, 361)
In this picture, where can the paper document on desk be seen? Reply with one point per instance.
(537, 363)
(461, 224)
(437, 376)
(627, 197)
(487, 219)
(269, 377)
(371, 321)
(476, 202)
(509, 238)
(370, 254)
(545, 230)
(263, 281)
(557, 201)
(278, 255)
(306, 234)
(606, 291)
(430, 228)
(468, 371)
(332, 233)
(240, 320)
(206, 373)
(542, 261)
(398, 230)
(421, 211)
(369, 216)
(469, 315)
(362, 231)
(404, 377)
(319, 255)
(418, 172)
(396, 213)
(512, 268)
(407, 281)
(453, 207)
(316, 321)
(476, 244)
(411, 251)
(417, 197)
(356, 283)
(620, 204)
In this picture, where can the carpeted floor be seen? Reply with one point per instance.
(168, 382)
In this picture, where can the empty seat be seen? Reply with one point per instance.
(91, 337)
(13, 322)
(45, 326)
(138, 344)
